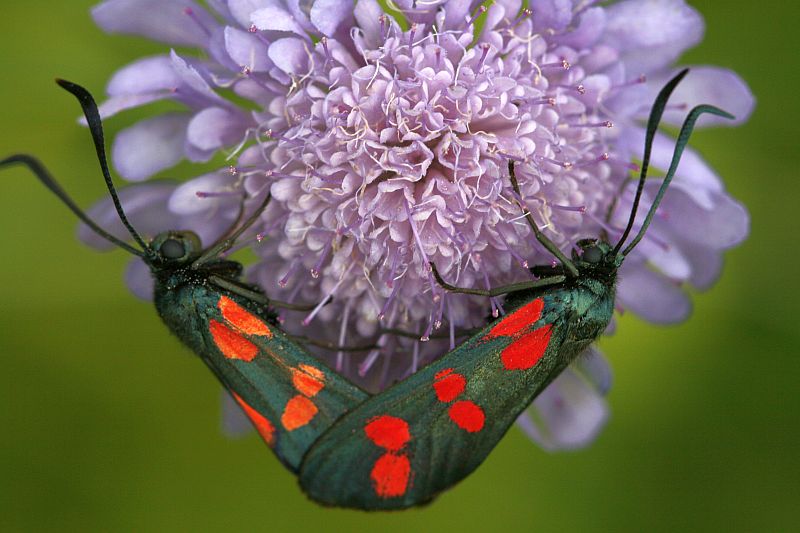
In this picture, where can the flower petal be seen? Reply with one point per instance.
(591, 26)
(275, 17)
(725, 225)
(367, 13)
(666, 256)
(329, 15)
(290, 55)
(139, 83)
(567, 415)
(652, 33)
(221, 7)
(154, 73)
(114, 105)
(192, 78)
(693, 175)
(242, 9)
(139, 279)
(191, 198)
(299, 10)
(234, 422)
(550, 14)
(456, 13)
(214, 127)
(150, 146)
(707, 85)
(146, 208)
(706, 265)
(593, 366)
(419, 12)
(246, 50)
(650, 295)
(162, 20)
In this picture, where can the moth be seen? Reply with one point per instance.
(428, 432)
(290, 396)
(402, 447)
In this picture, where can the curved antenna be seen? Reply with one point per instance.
(652, 125)
(683, 139)
(47, 179)
(96, 128)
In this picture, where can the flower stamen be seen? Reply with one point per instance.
(188, 11)
(603, 124)
(478, 12)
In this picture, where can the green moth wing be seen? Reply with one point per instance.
(290, 396)
(423, 435)
(426, 433)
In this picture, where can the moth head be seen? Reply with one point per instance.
(593, 252)
(176, 247)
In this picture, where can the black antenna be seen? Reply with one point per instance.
(652, 125)
(96, 128)
(47, 179)
(683, 140)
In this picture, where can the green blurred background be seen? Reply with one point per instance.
(108, 424)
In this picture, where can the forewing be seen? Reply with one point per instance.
(423, 435)
(290, 397)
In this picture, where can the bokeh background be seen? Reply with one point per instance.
(106, 423)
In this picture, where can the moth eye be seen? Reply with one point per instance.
(592, 254)
(173, 249)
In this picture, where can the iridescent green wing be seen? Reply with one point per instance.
(290, 396)
(423, 435)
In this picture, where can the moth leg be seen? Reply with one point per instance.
(227, 242)
(545, 271)
(230, 231)
(541, 237)
(498, 291)
(257, 296)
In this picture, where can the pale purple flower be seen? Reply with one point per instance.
(384, 138)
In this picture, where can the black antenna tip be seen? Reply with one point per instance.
(81, 93)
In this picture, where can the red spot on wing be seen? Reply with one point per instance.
(526, 351)
(298, 412)
(467, 415)
(514, 323)
(388, 432)
(230, 343)
(242, 319)
(442, 373)
(308, 380)
(390, 475)
(449, 386)
(262, 425)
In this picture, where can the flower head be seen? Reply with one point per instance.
(384, 137)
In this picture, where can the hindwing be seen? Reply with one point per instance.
(426, 433)
(289, 395)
